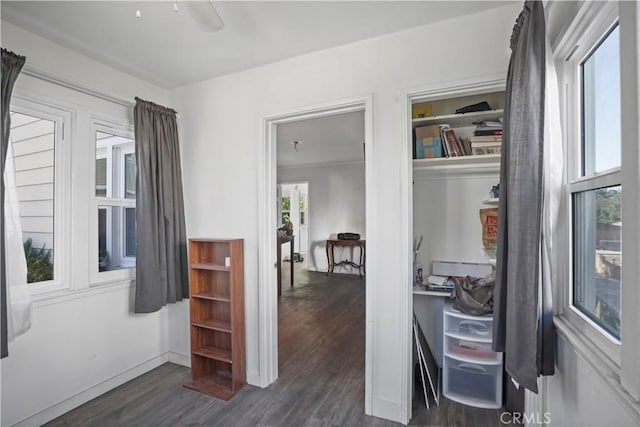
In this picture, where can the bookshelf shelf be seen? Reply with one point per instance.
(467, 164)
(491, 201)
(418, 290)
(456, 120)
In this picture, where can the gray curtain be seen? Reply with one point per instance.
(11, 66)
(161, 249)
(523, 313)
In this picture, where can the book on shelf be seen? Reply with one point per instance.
(477, 144)
(453, 143)
(486, 138)
(479, 151)
(466, 145)
(487, 131)
(488, 127)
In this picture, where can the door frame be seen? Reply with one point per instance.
(267, 198)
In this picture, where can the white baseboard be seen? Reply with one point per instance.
(179, 358)
(387, 409)
(78, 399)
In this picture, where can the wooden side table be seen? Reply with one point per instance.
(360, 265)
(282, 240)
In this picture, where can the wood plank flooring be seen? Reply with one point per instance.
(321, 375)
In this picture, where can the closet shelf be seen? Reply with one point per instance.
(456, 120)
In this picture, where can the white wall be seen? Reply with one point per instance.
(85, 341)
(577, 397)
(222, 127)
(336, 205)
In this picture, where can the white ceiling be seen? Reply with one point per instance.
(330, 139)
(168, 49)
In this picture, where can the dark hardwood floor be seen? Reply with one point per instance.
(321, 375)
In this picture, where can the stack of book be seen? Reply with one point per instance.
(452, 146)
(487, 138)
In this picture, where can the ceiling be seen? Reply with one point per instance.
(168, 48)
(331, 139)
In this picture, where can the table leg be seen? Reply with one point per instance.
(291, 257)
(326, 249)
(279, 267)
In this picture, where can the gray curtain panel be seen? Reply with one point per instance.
(11, 66)
(523, 316)
(161, 251)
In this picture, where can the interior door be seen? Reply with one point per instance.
(304, 220)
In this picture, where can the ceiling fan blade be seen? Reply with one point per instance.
(205, 15)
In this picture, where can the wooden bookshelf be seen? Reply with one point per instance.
(217, 316)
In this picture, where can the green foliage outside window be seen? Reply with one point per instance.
(39, 267)
(608, 206)
(286, 209)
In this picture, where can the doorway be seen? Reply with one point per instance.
(293, 206)
(269, 216)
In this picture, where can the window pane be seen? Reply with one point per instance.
(598, 255)
(116, 238)
(30, 189)
(303, 209)
(130, 176)
(101, 177)
(601, 106)
(119, 177)
(130, 232)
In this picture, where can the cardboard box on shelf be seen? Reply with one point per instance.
(419, 111)
(431, 147)
(430, 131)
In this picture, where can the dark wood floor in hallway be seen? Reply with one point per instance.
(321, 375)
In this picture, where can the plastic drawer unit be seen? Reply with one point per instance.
(472, 372)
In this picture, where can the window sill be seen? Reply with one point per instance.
(65, 295)
(599, 362)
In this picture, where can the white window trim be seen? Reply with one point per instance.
(122, 152)
(61, 186)
(616, 362)
(98, 278)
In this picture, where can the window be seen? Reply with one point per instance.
(599, 313)
(597, 191)
(286, 209)
(115, 194)
(32, 142)
(303, 209)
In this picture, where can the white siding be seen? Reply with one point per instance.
(33, 150)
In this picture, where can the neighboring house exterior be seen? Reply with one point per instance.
(32, 140)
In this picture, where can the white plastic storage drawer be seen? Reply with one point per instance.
(479, 351)
(473, 384)
(471, 327)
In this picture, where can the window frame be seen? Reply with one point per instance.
(575, 182)
(128, 272)
(61, 185)
(614, 360)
